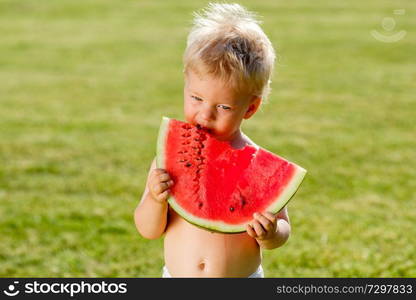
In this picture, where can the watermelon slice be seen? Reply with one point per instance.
(218, 187)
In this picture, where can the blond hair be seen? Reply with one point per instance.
(226, 41)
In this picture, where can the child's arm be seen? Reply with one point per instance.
(150, 215)
(270, 231)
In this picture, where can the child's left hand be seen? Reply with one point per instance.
(270, 230)
(263, 227)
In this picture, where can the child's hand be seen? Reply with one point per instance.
(159, 184)
(263, 227)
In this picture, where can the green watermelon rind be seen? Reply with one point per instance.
(289, 191)
(219, 226)
(161, 142)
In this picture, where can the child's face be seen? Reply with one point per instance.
(215, 106)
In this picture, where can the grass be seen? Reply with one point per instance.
(83, 86)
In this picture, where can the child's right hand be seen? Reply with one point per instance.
(159, 184)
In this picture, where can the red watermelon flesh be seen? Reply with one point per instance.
(219, 187)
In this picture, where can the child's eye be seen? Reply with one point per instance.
(196, 98)
(224, 107)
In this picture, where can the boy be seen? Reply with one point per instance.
(228, 63)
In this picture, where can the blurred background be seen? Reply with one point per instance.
(83, 87)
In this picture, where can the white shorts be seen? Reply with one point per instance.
(259, 273)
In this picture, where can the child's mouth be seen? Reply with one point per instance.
(204, 128)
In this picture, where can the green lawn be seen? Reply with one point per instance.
(83, 87)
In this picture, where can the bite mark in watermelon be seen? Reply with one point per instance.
(218, 187)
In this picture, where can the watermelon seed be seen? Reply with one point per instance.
(231, 208)
(243, 201)
(188, 165)
(200, 204)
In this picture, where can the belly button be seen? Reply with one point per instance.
(201, 266)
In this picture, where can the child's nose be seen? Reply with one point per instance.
(207, 114)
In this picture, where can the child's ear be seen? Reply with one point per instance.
(252, 108)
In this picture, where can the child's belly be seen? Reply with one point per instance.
(194, 252)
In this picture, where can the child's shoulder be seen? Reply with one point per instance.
(246, 141)
(241, 141)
